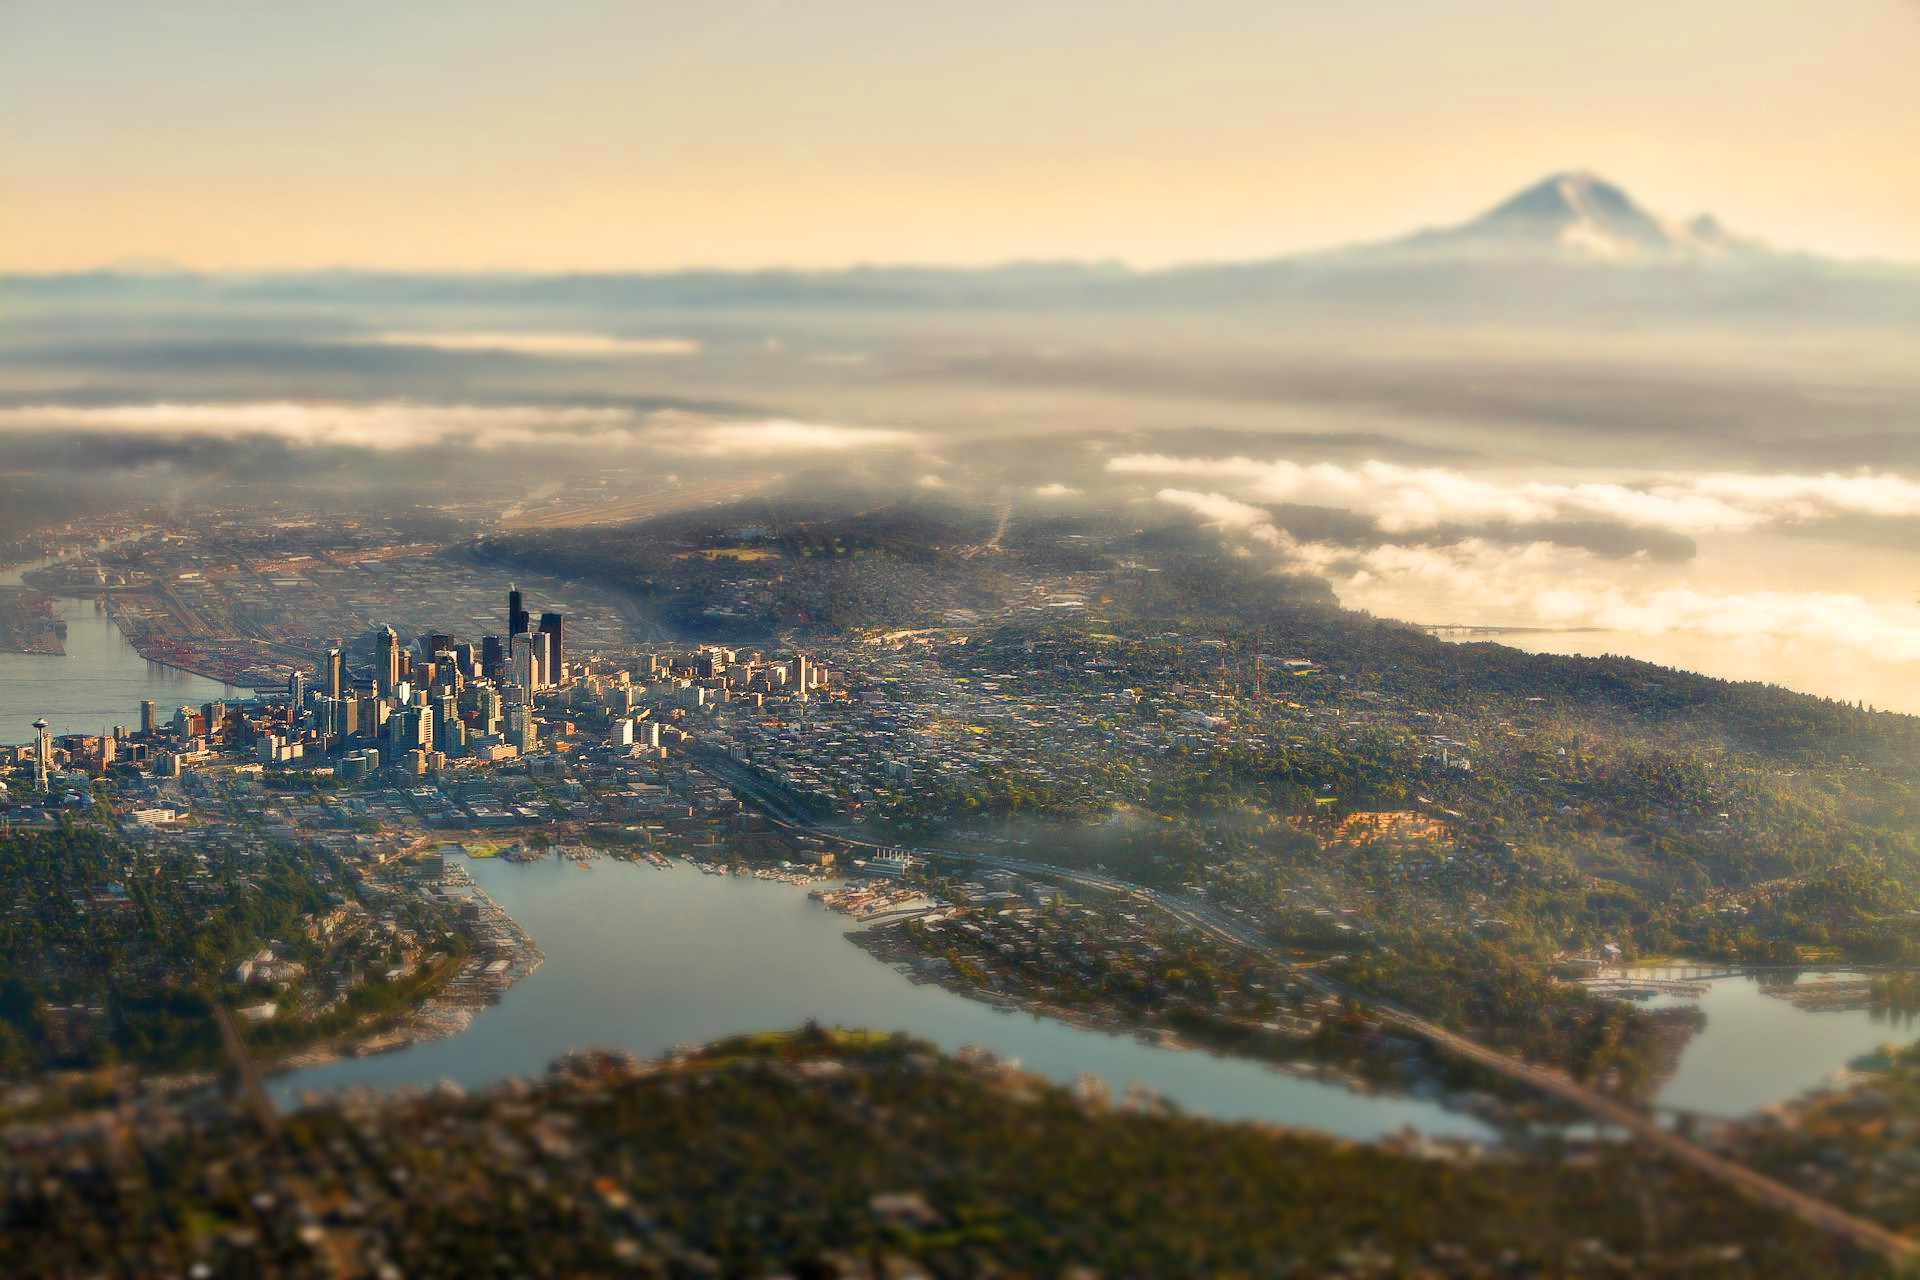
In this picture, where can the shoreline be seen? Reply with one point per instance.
(449, 1010)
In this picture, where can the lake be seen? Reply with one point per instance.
(643, 959)
(1758, 1049)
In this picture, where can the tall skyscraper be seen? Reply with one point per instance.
(336, 675)
(543, 669)
(493, 656)
(488, 709)
(555, 625)
(520, 662)
(517, 619)
(149, 717)
(521, 730)
(296, 691)
(386, 662)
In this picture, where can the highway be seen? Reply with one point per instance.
(1555, 1084)
(250, 1087)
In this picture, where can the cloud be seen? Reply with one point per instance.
(781, 436)
(1056, 490)
(561, 345)
(382, 426)
(931, 481)
(1218, 509)
(397, 425)
(1409, 498)
(1543, 584)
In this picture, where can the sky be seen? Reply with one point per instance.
(595, 135)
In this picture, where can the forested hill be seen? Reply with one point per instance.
(838, 1154)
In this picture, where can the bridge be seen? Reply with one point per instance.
(1205, 919)
(250, 1087)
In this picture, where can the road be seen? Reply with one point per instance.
(1210, 921)
(250, 1086)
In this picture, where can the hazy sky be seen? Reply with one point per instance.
(602, 134)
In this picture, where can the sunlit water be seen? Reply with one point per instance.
(98, 683)
(643, 959)
(1758, 1049)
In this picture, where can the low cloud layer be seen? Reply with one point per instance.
(559, 345)
(393, 426)
(1547, 585)
(1403, 499)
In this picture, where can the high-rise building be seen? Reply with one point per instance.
(386, 662)
(450, 736)
(336, 675)
(296, 692)
(544, 672)
(149, 717)
(517, 619)
(521, 730)
(488, 709)
(520, 663)
(409, 728)
(493, 656)
(555, 625)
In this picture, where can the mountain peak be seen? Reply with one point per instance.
(1580, 216)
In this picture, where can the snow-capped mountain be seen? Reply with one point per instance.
(1576, 216)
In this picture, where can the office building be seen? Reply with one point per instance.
(517, 619)
(386, 661)
(554, 625)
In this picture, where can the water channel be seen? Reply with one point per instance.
(99, 682)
